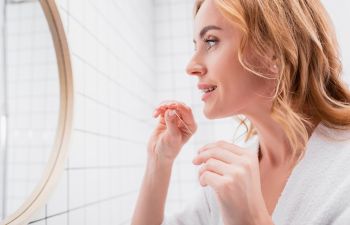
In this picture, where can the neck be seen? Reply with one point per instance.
(274, 147)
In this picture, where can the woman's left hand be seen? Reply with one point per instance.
(234, 175)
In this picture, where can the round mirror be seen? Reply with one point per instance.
(35, 93)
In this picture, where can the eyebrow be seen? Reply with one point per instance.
(206, 29)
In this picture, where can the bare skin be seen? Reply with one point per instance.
(274, 177)
(273, 181)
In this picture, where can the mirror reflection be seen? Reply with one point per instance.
(29, 101)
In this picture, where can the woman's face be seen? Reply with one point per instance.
(215, 63)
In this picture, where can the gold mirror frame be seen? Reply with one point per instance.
(59, 152)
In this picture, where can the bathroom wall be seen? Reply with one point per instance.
(339, 12)
(111, 45)
(127, 56)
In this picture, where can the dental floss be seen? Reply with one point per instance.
(183, 122)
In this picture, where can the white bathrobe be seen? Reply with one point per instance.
(316, 193)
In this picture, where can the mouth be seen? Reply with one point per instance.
(210, 89)
(208, 92)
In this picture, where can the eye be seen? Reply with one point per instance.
(210, 42)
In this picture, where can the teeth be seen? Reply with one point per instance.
(209, 89)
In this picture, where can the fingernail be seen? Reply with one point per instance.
(194, 161)
(172, 113)
(155, 112)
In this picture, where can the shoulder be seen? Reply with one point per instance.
(320, 181)
(331, 134)
(329, 142)
(327, 150)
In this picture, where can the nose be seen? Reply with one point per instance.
(195, 68)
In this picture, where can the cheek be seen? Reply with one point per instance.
(235, 79)
(241, 86)
(238, 86)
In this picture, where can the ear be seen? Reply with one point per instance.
(274, 68)
(265, 62)
(273, 63)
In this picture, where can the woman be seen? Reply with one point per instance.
(276, 63)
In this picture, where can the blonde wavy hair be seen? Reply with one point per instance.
(309, 86)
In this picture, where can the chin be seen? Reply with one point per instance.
(209, 115)
(216, 115)
(212, 115)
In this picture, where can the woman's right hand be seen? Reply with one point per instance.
(171, 133)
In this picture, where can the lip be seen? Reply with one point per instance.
(205, 96)
(204, 86)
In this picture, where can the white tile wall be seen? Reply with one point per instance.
(112, 52)
(339, 12)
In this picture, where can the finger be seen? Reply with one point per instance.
(223, 144)
(185, 113)
(155, 113)
(158, 111)
(163, 107)
(223, 155)
(215, 166)
(171, 122)
(168, 103)
(211, 179)
(161, 110)
(175, 120)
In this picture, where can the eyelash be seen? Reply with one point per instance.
(209, 40)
